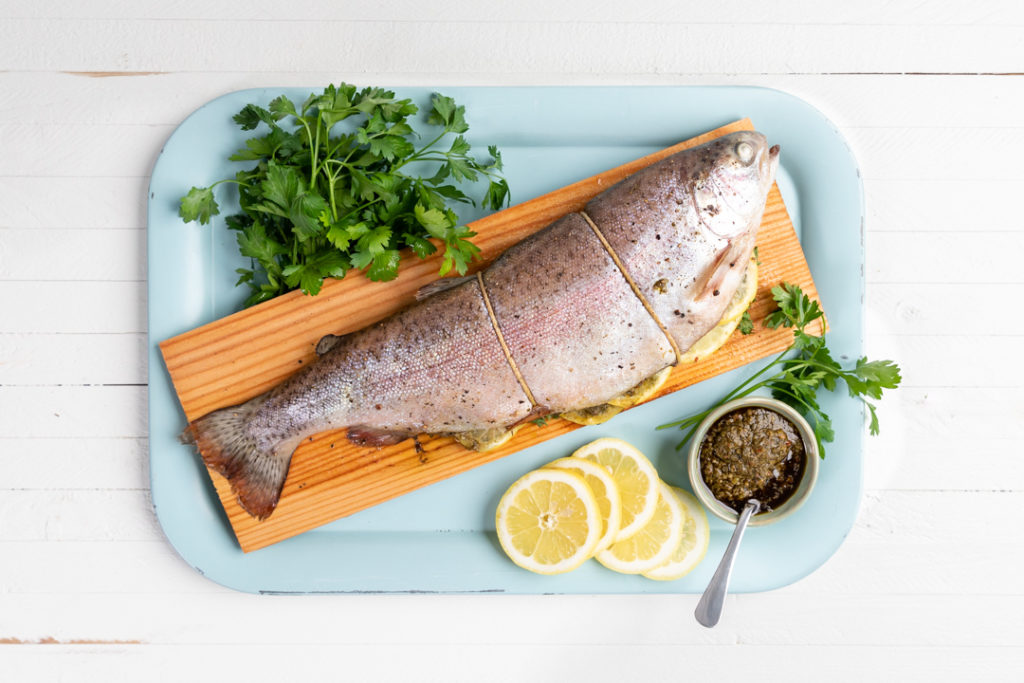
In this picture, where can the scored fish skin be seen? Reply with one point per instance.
(573, 325)
(431, 368)
(575, 329)
(700, 213)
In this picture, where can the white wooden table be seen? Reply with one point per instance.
(927, 586)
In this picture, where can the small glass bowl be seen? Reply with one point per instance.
(807, 481)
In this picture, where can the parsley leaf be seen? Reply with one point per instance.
(385, 266)
(804, 368)
(746, 325)
(329, 188)
(198, 205)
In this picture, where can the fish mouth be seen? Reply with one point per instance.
(773, 161)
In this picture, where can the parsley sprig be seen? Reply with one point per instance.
(323, 198)
(805, 367)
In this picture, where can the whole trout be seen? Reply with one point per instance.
(572, 316)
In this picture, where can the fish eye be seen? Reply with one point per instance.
(745, 152)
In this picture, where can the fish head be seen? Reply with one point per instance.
(729, 193)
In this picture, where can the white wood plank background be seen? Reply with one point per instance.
(928, 585)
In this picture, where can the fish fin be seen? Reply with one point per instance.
(438, 286)
(327, 342)
(256, 475)
(725, 261)
(368, 436)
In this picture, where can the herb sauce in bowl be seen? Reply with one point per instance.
(753, 448)
(752, 453)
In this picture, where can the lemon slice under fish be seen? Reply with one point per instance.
(599, 414)
(635, 477)
(654, 543)
(605, 490)
(710, 342)
(485, 439)
(721, 332)
(549, 521)
(593, 415)
(744, 294)
(643, 391)
(694, 545)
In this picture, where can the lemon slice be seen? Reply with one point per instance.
(634, 476)
(694, 545)
(643, 391)
(605, 490)
(710, 342)
(744, 294)
(549, 521)
(593, 415)
(654, 544)
(485, 439)
(721, 332)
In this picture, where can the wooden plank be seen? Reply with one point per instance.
(651, 621)
(850, 101)
(233, 359)
(665, 47)
(796, 12)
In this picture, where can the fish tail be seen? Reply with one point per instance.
(228, 446)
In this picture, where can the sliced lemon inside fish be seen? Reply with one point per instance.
(549, 521)
(720, 333)
(710, 342)
(744, 294)
(605, 490)
(593, 415)
(643, 391)
(694, 544)
(599, 414)
(654, 543)
(485, 439)
(635, 477)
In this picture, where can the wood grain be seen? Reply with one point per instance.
(233, 359)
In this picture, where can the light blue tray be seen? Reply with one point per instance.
(441, 538)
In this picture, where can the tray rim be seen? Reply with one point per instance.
(172, 532)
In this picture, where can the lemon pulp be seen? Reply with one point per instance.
(549, 521)
(634, 476)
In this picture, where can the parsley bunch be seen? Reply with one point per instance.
(798, 378)
(324, 198)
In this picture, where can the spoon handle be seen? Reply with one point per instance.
(709, 609)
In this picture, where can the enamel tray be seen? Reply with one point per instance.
(440, 539)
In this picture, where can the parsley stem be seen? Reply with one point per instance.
(315, 149)
(330, 191)
(807, 362)
(735, 392)
(417, 155)
(360, 208)
(229, 180)
(309, 134)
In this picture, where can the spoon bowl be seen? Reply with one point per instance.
(709, 609)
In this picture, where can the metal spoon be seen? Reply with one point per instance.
(709, 609)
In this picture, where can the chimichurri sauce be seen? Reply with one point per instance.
(752, 453)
